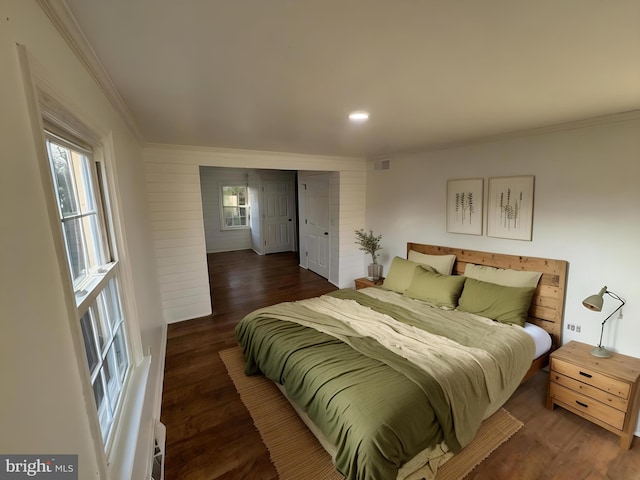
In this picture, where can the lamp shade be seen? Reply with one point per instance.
(594, 302)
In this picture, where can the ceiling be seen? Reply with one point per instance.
(282, 75)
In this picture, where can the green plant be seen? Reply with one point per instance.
(369, 242)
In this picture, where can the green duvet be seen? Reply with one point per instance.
(384, 376)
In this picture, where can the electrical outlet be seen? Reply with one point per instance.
(571, 327)
(578, 328)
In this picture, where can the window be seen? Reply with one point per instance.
(94, 271)
(235, 207)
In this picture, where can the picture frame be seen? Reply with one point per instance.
(510, 207)
(465, 207)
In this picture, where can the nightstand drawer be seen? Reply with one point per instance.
(586, 405)
(593, 392)
(585, 375)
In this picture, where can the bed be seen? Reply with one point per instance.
(394, 380)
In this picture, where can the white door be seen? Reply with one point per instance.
(277, 216)
(317, 223)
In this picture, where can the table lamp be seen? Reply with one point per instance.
(594, 302)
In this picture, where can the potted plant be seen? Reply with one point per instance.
(370, 243)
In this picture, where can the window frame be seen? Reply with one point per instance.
(45, 103)
(98, 198)
(247, 206)
(90, 290)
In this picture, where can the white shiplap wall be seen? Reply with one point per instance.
(175, 205)
(176, 208)
(351, 202)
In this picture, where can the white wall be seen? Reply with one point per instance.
(189, 298)
(587, 211)
(45, 405)
(346, 259)
(216, 239)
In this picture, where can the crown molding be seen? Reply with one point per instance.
(66, 24)
(245, 153)
(233, 158)
(571, 125)
(618, 117)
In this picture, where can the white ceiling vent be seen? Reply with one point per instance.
(382, 164)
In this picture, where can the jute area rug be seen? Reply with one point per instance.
(297, 454)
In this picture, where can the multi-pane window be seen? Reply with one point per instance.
(94, 272)
(235, 207)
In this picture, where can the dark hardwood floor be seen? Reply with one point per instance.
(210, 434)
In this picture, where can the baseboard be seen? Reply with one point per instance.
(162, 356)
(231, 250)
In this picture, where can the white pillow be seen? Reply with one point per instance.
(502, 276)
(442, 263)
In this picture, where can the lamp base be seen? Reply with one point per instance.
(600, 352)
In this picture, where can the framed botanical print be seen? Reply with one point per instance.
(510, 207)
(464, 205)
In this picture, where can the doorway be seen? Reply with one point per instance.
(315, 227)
(278, 216)
(285, 215)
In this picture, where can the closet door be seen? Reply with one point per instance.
(278, 216)
(317, 223)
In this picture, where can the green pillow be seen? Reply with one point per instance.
(504, 304)
(435, 288)
(400, 274)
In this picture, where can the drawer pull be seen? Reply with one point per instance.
(586, 374)
(582, 404)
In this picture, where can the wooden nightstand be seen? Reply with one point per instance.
(602, 390)
(365, 282)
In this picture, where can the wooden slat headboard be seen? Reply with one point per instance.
(547, 306)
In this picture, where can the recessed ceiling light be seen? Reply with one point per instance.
(359, 116)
